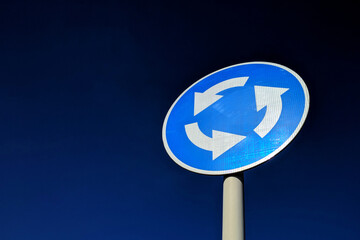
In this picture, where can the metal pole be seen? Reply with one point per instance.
(233, 207)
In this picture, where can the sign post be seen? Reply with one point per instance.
(232, 120)
(233, 207)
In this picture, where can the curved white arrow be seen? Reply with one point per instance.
(218, 144)
(205, 99)
(269, 97)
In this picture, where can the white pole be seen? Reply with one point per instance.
(233, 207)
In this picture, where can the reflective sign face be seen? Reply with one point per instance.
(235, 118)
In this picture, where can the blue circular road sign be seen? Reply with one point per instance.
(235, 118)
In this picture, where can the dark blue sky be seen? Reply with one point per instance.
(85, 87)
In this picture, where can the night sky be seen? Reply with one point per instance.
(84, 90)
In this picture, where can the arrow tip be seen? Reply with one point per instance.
(224, 141)
(203, 100)
(265, 95)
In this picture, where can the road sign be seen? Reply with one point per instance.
(235, 118)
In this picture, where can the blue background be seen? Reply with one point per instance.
(85, 87)
(235, 113)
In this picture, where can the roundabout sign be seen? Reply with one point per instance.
(235, 118)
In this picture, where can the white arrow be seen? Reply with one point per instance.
(269, 97)
(205, 99)
(218, 144)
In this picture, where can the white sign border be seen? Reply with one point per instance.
(268, 157)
